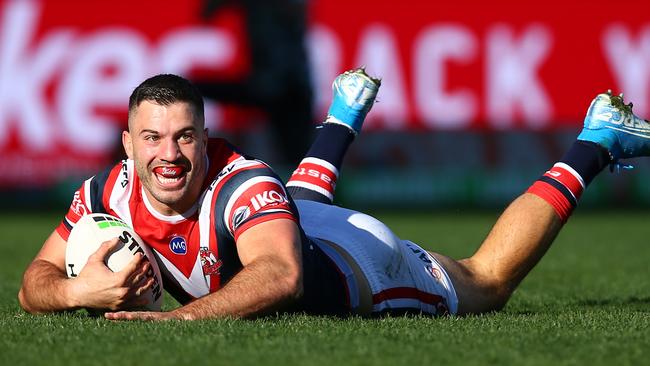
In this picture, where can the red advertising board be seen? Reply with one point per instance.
(67, 67)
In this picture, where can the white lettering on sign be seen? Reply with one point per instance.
(24, 74)
(55, 83)
(85, 87)
(512, 80)
(629, 59)
(325, 61)
(434, 47)
(27, 67)
(512, 76)
(190, 47)
(379, 52)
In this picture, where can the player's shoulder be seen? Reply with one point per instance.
(226, 162)
(244, 192)
(94, 194)
(119, 174)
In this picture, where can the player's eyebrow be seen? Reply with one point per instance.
(148, 131)
(185, 130)
(181, 131)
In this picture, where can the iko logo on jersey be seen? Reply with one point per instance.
(266, 198)
(178, 245)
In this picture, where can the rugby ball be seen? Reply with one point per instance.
(94, 229)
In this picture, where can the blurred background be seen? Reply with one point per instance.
(478, 98)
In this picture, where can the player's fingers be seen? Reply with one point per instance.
(131, 267)
(139, 274)
(141, 315)
(105, 249)
(145, 286)
(118, 315)
(141, 284)
(142, 287)
(138, 295)
(131, 315)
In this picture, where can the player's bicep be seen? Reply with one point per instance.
(277, 239)
(53, 250)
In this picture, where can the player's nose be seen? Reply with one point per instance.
(169, 150)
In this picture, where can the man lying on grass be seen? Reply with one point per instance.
(272, 251)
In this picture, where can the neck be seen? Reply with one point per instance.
(169, 212)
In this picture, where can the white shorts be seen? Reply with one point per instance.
(399, 275)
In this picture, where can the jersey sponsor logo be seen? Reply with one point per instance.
(227, 170)
(266, 198)
(261, 194)
(241, 214)
(178, 245)
(125, 174)
(236, 165)
(209, 262)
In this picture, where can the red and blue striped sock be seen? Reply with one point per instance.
(563, 184)
(316, 175)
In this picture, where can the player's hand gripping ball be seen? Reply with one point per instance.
(94, 229)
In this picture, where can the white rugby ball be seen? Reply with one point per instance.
(94, 229)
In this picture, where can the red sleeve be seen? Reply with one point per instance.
(78, 208)
(259, 199)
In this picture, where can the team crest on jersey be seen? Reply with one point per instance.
(178, 245)
(209, 262)
(77, 205)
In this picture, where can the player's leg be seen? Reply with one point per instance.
(526, 229)
(315, 178)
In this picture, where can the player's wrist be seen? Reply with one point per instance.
(73, 294)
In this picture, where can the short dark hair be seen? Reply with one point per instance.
(165, 89)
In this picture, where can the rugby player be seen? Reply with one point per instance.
(330, 260)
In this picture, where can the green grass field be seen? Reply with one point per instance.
(588, 302)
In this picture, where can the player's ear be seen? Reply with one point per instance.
(127, 143)
(205, 137)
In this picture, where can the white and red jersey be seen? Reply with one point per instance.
(196, 250)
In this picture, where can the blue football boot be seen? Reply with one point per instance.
(612, 124)
(354, 94)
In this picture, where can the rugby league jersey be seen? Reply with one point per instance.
(196, 251)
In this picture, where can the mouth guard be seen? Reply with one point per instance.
(169, 171)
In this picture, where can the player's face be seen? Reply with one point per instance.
(168, 145)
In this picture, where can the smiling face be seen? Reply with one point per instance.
(168, 145)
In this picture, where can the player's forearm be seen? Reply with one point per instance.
(45, 289)
(261, 287)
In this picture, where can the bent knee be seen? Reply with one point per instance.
(478, 290)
